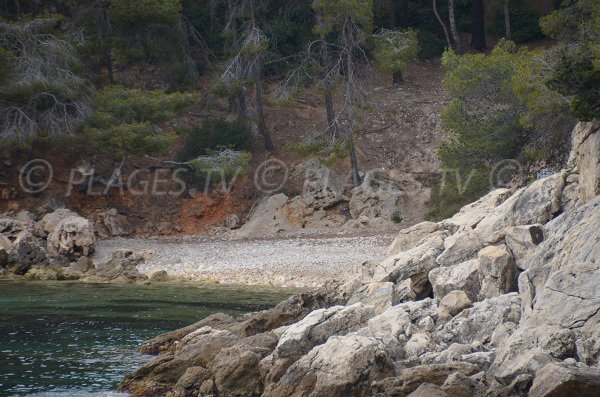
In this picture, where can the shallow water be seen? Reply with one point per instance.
(71, 339)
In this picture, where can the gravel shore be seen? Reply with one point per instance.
(293, 260)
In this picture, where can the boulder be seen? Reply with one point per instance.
(342, 366)
(418, 343)
(460, 247)
(193, 378)
(160, 276)
(453, 303)
(414, 264)
(471, 214)
(460, 385)
(79, 269)
(411, 237)
(72, 237)
(522, 242)
(25, 252)
(464, 276)
(376, 197)
(428, 390)
(537, 203)
(112, 224)
(163, 343)
(10, 227)
(560, 380)
(298, 339)
(51, 220)
(383, 294)
(409, 379)
(270, 216)
(121, 268)
(586, 153)
(499, 272)
(479, 322)
(236, 370)
(322, 187)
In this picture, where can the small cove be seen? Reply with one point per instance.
(72, 339)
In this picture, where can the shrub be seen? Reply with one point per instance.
(221, 167)
(124, 120)
(501, 110)
(215, 135)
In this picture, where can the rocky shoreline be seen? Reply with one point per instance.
(500, 300)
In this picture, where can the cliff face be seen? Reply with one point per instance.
(500, 300)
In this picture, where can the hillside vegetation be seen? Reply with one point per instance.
(181, 79)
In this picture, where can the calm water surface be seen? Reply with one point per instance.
(69, 339)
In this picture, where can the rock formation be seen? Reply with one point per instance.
(500, 300)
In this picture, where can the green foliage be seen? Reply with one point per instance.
(216, 135)
(577, 66)
(326, 153)
(397, 217)
(337, 12)
(123, 120)
(430, 43)
(124, 105)
(126, 14)
(219, 168)
(501, 109)
(524, 24)
(394, 49)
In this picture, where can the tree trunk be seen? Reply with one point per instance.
(507, 19)
(478, 27)
(397, 78)
(325, 64)
(237, 104)
(350, 100)
(442, 24)
(260, 114)
(453, 30)
(354, 165)
(405, 14)
(331, 119)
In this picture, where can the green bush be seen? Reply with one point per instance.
(215, 135)
(326, 154)
(219, 168)
(501, 110)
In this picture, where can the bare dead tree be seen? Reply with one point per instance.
(247, 63)
(442, 24)
(44, 95)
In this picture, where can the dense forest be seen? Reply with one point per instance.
(116, 74)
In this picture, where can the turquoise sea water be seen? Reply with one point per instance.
(70, 339)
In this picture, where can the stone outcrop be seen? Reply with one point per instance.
(376, 197)
(500, 300)
(112, 224)
(59, 247)
(323, 203)
(72, 237)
